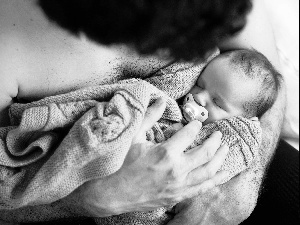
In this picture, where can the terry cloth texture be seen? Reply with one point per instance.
(56, 144)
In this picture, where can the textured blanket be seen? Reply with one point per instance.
(56, 144)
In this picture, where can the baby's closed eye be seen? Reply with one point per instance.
(217, 103)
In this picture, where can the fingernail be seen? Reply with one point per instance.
(198, 123)
(219, 134)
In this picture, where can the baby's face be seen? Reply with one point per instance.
(223, 91)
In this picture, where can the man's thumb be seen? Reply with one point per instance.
(153, 114)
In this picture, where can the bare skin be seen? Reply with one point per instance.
(39, 59)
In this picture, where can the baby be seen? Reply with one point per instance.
(237, 83)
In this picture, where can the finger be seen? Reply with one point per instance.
(208, 171)
(204, 153)
(217, 180)
(176, 127)
(152, 115)
(208, 185)
(184, 137)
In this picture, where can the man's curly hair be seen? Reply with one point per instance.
(186, 29)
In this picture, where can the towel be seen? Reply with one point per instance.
(56, 144)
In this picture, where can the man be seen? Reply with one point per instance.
(68, 59)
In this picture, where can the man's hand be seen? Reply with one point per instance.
(237, 199)
(158, 175)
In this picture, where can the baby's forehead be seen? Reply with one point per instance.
(232, 73)
(223, 64)
(244, 71)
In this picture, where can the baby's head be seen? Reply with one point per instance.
(237, 83)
